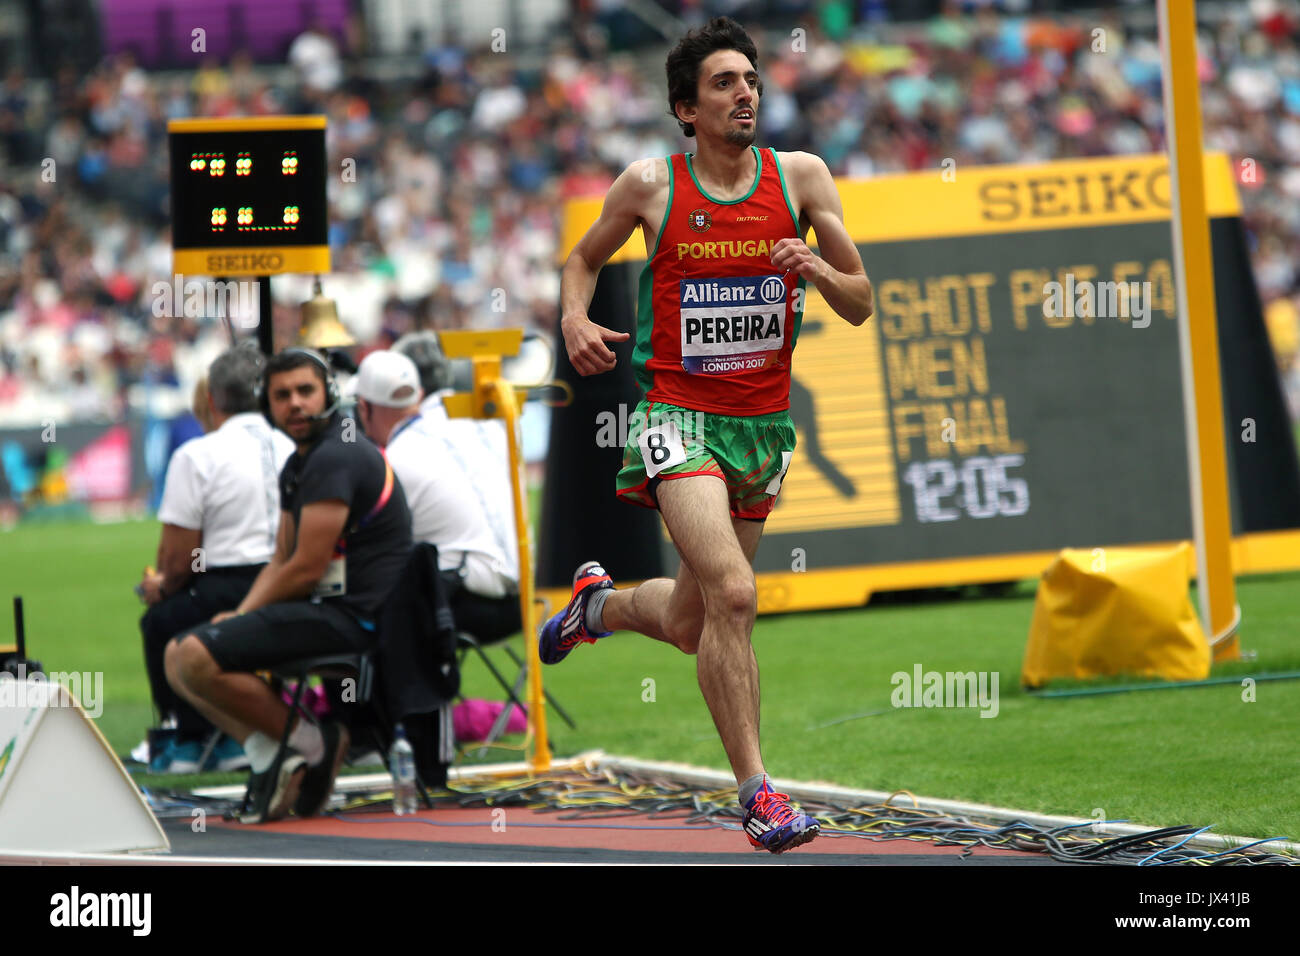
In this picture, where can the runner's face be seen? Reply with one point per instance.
(726, 106)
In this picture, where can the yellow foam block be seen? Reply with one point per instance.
(1116, 611)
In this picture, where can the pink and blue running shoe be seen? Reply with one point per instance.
(566, 630)
(773, 825)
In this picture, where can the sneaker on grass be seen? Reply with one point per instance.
(227, 756)
(178, 756)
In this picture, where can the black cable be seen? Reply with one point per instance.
(577, 798)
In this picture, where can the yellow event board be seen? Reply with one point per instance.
(1018, 389)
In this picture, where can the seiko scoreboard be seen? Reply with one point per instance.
(248, 195)
(1017, 391)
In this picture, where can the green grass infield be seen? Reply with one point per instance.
(1205, 755)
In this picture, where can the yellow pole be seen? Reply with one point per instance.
(504, 397)
(1198, 329)
(495, 397)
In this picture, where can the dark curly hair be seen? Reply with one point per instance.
(683, 64)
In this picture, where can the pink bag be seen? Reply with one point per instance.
(472, 719)
(314, 700)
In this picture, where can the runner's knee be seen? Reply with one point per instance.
(735, 596)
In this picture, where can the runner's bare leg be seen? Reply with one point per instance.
(717, 552)
(668, 610)
(671, 610)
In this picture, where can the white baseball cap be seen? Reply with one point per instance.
(386, 378)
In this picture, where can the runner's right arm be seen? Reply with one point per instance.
(621, 213)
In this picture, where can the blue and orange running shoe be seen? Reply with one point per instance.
(773, 825)
(566, 630)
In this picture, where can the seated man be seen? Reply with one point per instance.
(219, 513)
(481, 441)
(463, 511)
(344, 540)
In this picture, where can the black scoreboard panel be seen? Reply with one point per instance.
(249, 189)
(248, 196)
(985, 425)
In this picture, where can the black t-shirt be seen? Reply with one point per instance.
(376, 540)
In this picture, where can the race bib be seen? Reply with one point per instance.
(661, 447)
(732, 325)
(334, 582)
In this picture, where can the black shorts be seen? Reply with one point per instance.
(485, 619)
(271, 635)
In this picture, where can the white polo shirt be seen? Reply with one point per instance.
(226, 484)
(455, 475)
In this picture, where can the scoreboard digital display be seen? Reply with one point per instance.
(966, 421)
(1018, 390)
(248, 195)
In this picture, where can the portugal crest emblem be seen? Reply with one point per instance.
(700, 220)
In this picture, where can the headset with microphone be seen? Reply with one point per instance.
(332, 397)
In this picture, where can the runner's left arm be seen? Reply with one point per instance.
(837, 273)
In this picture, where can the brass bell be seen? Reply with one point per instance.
(320, 327)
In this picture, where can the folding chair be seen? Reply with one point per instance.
(466, 642)
(359, 666)
(209, 745)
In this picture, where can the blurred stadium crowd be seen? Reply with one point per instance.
(462, 169)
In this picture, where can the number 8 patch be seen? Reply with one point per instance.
(661, 447)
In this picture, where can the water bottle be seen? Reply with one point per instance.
(401, 764)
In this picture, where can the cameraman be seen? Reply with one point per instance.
(344, 540)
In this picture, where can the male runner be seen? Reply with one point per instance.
(720, 306)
